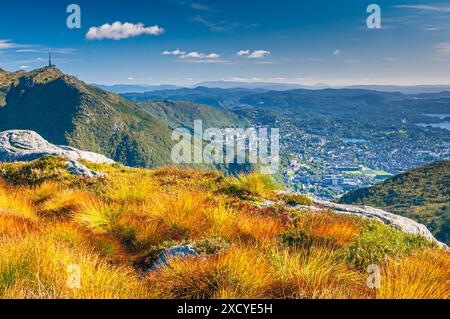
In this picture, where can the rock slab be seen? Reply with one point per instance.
(27, 146)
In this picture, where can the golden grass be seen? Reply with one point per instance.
(254, 229)
(43, 192)
(340, 228)
(109, 227)
(64, 204)
(14, 225)
(99, 216)
(130, 190)
(14, 202)
(424, 275)
(186, 214)
(37, 267)
(320, 273)
(238, 273)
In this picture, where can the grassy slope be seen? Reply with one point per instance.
(113, 229)
(422, 194)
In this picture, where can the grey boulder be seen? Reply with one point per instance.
(174, 252)
(26, 146)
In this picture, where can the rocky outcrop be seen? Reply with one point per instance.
(399, 222)
(76, 168)
(404, 224)
(26, 146)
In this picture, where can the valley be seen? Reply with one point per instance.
(334, 141)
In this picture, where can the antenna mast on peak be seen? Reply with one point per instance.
(50, 59)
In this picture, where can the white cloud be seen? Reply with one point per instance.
(23, 67)
(174, 52)
(243, 53)
(443, 48)
(200, 7)
(336, 52)
(27, 51)
(445, 9)
(258, 54)
(194, 55)
(119, 31)
(212, 56)
(7, 44)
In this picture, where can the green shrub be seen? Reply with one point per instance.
(378, 243)
(296, 199)
(297, 238)
(35, 172)
(253, 184)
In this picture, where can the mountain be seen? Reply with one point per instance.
(131, 88)
(183, 114)
(67, 111)
(216, 97)
(253, 85)
(422, 194)
(64, 110)
(415, 89)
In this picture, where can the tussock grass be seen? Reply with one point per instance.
(319, 273)
(339, 228)
(423, 275)
(37, 267)
(255, 229)
(13, 202)
(112, 228)
(64, 204)
(126, 190)
(238, 273)
(99, 216)
(12, 225)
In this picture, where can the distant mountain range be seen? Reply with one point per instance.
(127, 88)
(422, 194)
(268, 86)
(415, 89)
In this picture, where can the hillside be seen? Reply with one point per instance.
(122, 231)
(183, 114)
(64, 110)
(422, 194)
(216, 97)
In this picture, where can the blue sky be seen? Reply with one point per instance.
(186, 42)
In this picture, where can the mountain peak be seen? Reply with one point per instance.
(45, 74)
